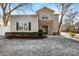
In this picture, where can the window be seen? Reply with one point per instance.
(20, 26)
(16, 25)
(23, 26)
(29, 26)
(45, 16)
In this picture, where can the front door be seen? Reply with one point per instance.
(45, 28)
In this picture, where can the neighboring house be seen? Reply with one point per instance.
(66, 24)
(45, 19)
(71, 28)
(74, 27)
(63, 27)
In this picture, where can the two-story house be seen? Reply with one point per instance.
(44, 19)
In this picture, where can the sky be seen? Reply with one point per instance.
(36, 6)
(32, 8)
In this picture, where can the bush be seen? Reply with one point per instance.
(40, 33)
(25, 34)
(72, 34)
(40, 30)
(55, 33)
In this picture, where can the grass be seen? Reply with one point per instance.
(77, 37)
(72, 34)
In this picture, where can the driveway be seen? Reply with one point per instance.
(51, 46)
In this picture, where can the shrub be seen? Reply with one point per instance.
(40, 33)
(55, 33)
(72, 34)
(24, 34)
(40, 30)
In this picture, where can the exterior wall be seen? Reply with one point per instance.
(37, 21)
(55, 23)
(40, 14)
(22, 18)
(52, 21)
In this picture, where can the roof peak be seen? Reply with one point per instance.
(45, 8)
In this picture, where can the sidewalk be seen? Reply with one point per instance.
(68, 36)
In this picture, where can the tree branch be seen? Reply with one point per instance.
(20, 5)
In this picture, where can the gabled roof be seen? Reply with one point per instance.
(45, 8)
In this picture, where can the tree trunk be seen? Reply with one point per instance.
(59, 27)
(5, 19)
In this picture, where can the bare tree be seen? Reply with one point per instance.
(67, 23)
(64, 8)
(7, 10)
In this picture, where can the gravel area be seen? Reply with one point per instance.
(52, 46)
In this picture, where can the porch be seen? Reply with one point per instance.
(46, 26)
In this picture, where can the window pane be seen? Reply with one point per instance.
(29, 26)
(16, 25)
(20, 26)
(25, 26)
(45, 16)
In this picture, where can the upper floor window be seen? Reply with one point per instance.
(45, 16)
